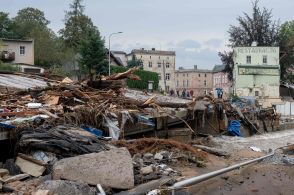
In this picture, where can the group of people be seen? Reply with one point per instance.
(185, 93)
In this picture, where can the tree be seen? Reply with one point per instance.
(77, 25)
(29, 19)
(134, 62)
(30, 23)
(93, 55)
(259, 27)
(5, 26)
(287, 50)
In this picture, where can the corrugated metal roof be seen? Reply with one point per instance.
(20, 82)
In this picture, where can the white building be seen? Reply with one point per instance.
(161, 62)
(257, 73)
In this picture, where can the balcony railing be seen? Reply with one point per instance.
(7, 56)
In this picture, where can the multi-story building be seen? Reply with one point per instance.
(220, 79)
(196, 81)
(161, 62)
(257, 73)
(20, 53)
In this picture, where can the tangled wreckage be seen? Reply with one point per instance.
(99, 136)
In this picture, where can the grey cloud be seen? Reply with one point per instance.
(189, 44)
(214, 42)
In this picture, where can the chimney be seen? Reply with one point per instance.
(142, 48)
(195, 67)
(181, 68)
(153, 49)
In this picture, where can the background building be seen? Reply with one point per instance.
(161, 62)
(121, 56)
(257, 73)
(17, 51)
(197, 80)
(220, 79)
(20, 53)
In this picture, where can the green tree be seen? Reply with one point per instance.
(77, 25)
(93, 55)
(5, 26)
(287, 50)
(30, 23)
(134, 62)
(258, 27)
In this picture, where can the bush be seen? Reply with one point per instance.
(9, 67)
(144, 75)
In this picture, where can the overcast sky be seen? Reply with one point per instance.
(195, 29)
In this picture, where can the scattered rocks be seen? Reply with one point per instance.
(146, 170)
(3, 172)
(66, 187)
(112, 168)
(158, 156)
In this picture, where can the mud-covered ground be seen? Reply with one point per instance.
(273, 176)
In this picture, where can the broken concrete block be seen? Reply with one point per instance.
(3, 172)
(112, 168)
(65, 187)
(42, 192)
(30, 165)
(146, 170)
(16, 178)
(148, 156)
(158, 156)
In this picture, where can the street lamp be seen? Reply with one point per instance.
(109, 50)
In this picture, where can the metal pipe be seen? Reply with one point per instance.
(200, 178)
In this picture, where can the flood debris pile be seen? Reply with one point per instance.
(75, 138)
(152, 157)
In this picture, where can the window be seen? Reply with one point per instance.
(183, 75)
(159, 65)
(150, 57)
(150, 64)
(167, 57)
(199, 75)
(159, 76)
(177, 83)
(248, 59)
(264, 59)
(187, 74)
(22, 50)
(141, 63)
(141, 56)
(187, 83)
(167, 88)
(205, 92)
(205, 75)
(205, 83)
(256, 93)
(167, 76)
(159, 57)
(183, 83)
(167, 65)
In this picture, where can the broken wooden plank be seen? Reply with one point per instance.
(16, 178)
(210, 150)
(22, 113)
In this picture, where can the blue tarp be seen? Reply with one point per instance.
(96, 132)
(234, 128)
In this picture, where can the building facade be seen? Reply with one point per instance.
(197, 81)
(17, 51)
(220, 79)
(257, 73)
(121, 56)
(161, 62)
